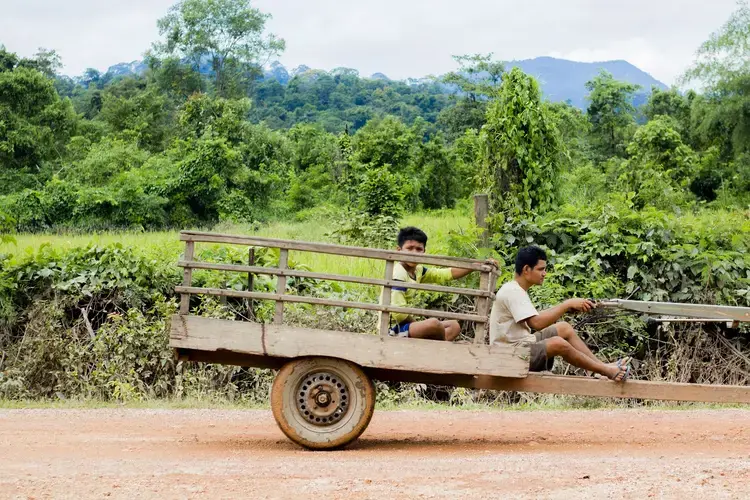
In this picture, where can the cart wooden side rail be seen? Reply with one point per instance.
(483, 295)
(323, 397)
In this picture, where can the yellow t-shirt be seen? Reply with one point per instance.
(402, 297)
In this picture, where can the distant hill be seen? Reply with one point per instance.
(561, 80)
(564, 80)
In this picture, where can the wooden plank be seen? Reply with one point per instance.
(580, 386)
(187, 278)
(481, 212)
(385, 316)
(369, 253)
(676, 309)
(482, 307)
(272, 271)
(328, 302)
(278, 316)
(280, 341)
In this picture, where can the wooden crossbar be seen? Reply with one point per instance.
(367, 253)
(221, 292)
(272, 271)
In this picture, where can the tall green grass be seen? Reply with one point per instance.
(165, 245)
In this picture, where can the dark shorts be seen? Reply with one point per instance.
(538, 361)
(399, 330)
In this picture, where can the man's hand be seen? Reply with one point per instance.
(493, 263)
(580, 305)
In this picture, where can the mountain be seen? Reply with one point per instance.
(564, 80)
(560, 79)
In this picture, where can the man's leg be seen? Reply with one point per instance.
(558, 346)
(566, 331)
(431, 329)
(452, 329)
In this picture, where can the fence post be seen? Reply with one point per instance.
(278, 317)
(481, 212)
(187, 277)
(385, 317)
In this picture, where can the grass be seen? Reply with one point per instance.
(165, 245)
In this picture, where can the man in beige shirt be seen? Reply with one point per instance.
(513, 316)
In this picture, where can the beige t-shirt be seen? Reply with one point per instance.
(507, 320)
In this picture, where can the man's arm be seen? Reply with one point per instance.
(457, 272)
(553, 314)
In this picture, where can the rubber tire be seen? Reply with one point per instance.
(295, 426)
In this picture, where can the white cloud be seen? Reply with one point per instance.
(401, 38)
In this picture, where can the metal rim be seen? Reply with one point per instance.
(322, 398)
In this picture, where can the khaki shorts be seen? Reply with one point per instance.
(538, 361)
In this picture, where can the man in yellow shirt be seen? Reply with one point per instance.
(412, 239)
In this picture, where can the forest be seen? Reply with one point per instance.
(648, 202)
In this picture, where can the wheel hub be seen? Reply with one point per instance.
(322, 398)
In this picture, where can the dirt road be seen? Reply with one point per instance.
(130, 454)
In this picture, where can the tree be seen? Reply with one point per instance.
(521, 148)
(670, 103)
(230, 33)
(610, 112)
(722, 65)
(477, 80)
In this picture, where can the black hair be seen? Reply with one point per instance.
(529, 256)
(411, 233)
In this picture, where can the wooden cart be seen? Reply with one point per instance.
(323, 396)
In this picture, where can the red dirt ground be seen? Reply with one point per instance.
(130, 454)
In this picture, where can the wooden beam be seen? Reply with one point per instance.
(385, 316)
(580, 386)
(369, 253)
(278, 316)
(328, 302)
(708, 311)
(195, 333)
(482, 308)
(187, 278)
(272, 271)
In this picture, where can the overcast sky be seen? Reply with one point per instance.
(401, 38)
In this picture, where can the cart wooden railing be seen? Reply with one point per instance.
(483, 295)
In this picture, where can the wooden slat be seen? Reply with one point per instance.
(483, 307)
(187, 278)
(708, 311)
(280, 341)
(369, 253)
(327, 302)
(272, 271)
(580, 386)
(278, 316)
(385, 316)
(250, 283)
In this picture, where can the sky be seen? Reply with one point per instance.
(401, 38)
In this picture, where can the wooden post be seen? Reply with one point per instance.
(187, 278)
(250, 283)
(278, 317)
(484, 304)
(385, 317)
(481, 212)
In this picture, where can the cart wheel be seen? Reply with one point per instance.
(322, 403)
